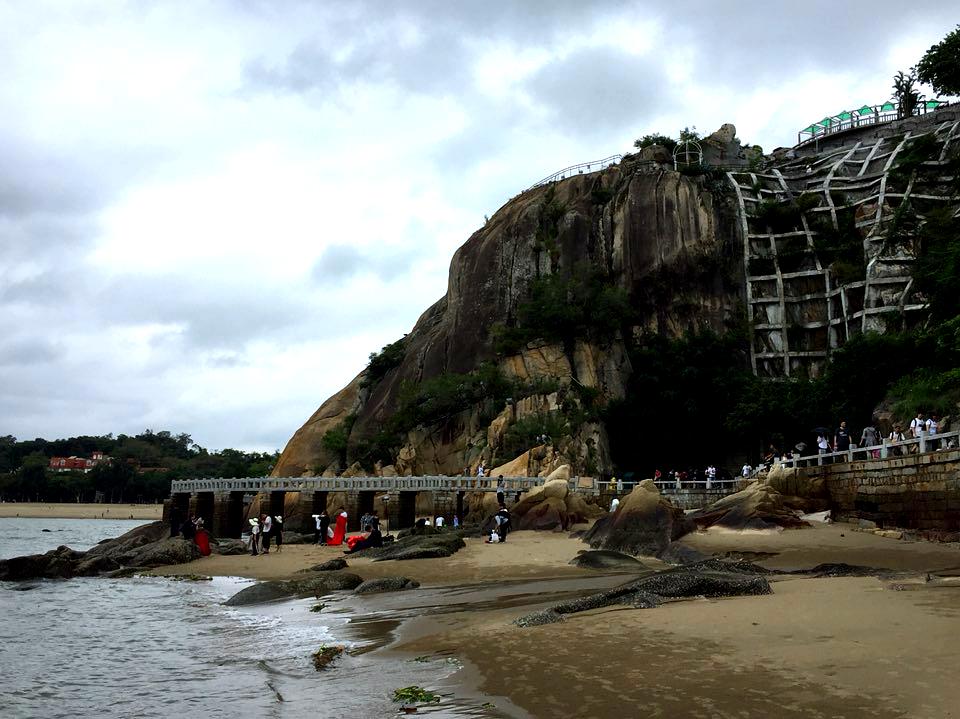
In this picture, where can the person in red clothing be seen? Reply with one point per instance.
(340, 530)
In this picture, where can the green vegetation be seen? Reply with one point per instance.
(840, 247)
(335, 440)
(940, 65)
(561, 308)
(141, 468)
(549, 214)
(383, 361)
(905, 90)
(522, 434)
(937, 270)
(655, 139)
(324, 655)
(696, 399)
(414, 695)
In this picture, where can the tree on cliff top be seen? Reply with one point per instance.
(940, 66)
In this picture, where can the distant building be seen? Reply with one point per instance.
(77, 464)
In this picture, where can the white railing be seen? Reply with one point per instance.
(923, 444)
(345, 484)
(593, 166)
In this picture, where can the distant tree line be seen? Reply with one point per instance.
(140, 470)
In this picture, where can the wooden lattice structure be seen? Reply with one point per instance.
(803, 302)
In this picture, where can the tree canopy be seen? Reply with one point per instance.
(940, 65)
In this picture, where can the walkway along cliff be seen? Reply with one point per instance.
(514, 366)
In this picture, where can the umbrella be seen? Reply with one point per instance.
(821, 430)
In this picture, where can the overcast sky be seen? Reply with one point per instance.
(212, 212)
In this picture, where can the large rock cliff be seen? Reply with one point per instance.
(534, 337)
(662, 239)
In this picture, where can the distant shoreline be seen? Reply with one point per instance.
(45, 510)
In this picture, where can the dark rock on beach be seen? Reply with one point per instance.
(605, 559)
(418, 546)
(386, 584)
(709, 578)
(759, 506)
(644, 524)
(228, 547)
(331, 565)
(282, 589)
(144, 547)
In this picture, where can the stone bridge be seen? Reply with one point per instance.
(224, 503)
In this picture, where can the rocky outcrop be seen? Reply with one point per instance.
(710, 578)
(759, 506)
(644, 523)
(603, 559)
(418, 546)
(551, 505)
(304, 453)
(322, 583)
(386, 584)
(145, 547)
(633, 224)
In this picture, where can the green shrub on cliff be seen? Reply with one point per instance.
(585, 305)
(383, 361)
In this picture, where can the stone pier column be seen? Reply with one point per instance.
(391, 510)
(351, 504)
(167, 506)
(192, 505)
(304, 512)
(220, 526)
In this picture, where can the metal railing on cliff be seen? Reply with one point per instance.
(862, 117)
(592, 166)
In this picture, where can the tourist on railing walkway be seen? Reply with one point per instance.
(933, 426)
(841, 438)
(870, 437)
(917, 425)
(897, 436)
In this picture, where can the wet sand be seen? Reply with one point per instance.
(41, 510)
(834, 647)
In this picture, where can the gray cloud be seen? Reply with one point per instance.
(340, 262)
(600, 89)
(28, 351)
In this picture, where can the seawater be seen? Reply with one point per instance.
(154, 647)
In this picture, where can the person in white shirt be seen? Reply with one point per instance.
(933, 426)
(438, 522)
(917, 425)
(614, 504)
(745, 471)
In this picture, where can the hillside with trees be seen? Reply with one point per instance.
(140, 467)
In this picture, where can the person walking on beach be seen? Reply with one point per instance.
(503, 523)
(254, 536)
(278, 531)
(266, 530)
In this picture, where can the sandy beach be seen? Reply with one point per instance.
(40, 510)
(831, 647)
